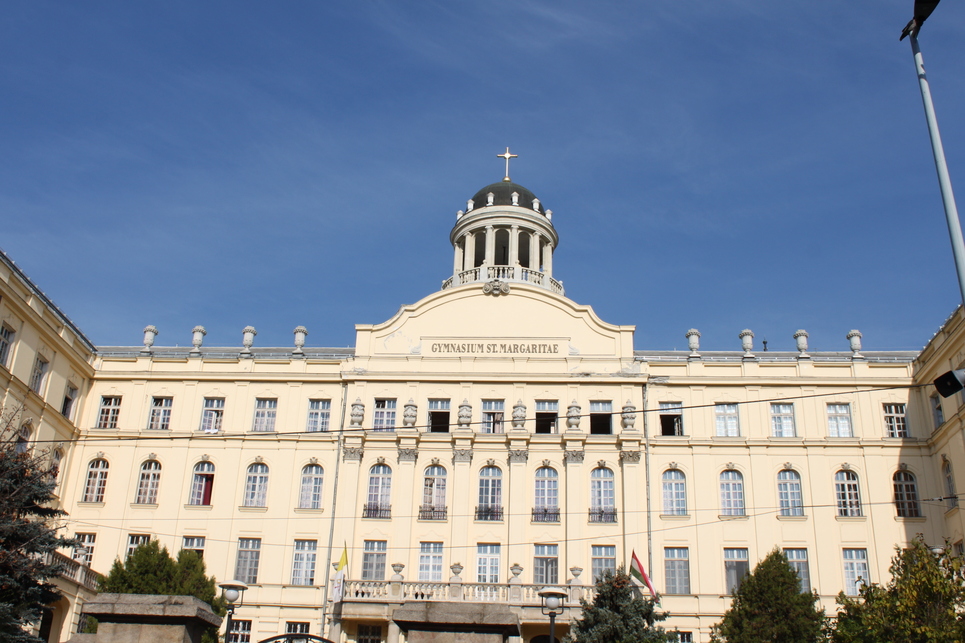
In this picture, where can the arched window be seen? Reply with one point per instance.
(202, 484)
(433, 494)
(379, 502)
(674, 493)
(490, 494)
(906, 495)
(310, 496)
(547, 499)
(602, 508)
(789, 495)
(256, 486)
(55, 459)
(731, 493)
(96, 481)
(951, 496)
(847, 494)
(23, 439)
(148, 483)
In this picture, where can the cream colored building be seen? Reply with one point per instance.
(492, 439)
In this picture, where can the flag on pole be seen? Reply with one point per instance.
(338, 584)
(638, 572)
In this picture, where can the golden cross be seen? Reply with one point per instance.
(507, 156)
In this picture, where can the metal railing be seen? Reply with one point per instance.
(428, 512)
(603, 515)
(546, 514)
(489, 512)
(383, 512)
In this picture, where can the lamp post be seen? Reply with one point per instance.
(552, 606)
(233, 592)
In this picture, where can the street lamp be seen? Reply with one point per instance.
(552, 606)
(233, 592)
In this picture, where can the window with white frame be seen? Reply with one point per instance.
(303, 562)
(676, 564)
(937, 414)
(369, 634)
(297, 627)
(603, 558)
(84, 549)
(847, 493)
(136, 540)
(67, 408)
(438, 416)
(433, 494)
(547, 496)
(96, 482)
(782, 420)
(310, 494)
(671, 418)
(148, 483)
(601, 418)
(789, 496)
(547, 416)
(674, 493)
(202, 484)
(249, 557)
(487, 562)
(319, 412)
(602, 496)
(951, 495)
(109, 412)
(430, 562)
(193, 543)
(265, 410)
(256, 485)
(490, 494)
(492, 417)
(384, 417)
(839, 421)
(7, 335)
(378, 504)
(546, 564)
(896, 425)
(160, 419)
(731, 493)
(736, 567)
(798, 560)
(373, 559)
(240, 631)
(726, 419)
(212, 414)
(38, 377)
(906, 495)
(855, 571)
(685, 637)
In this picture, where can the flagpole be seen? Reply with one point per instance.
(944, 182)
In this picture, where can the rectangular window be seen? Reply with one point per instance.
(726, 419)
(303, 563)
(265, 409)
(109, 412)
(896, 425)
(492, 417)
(38, 377)
(798, 560)
(84, 550)
(782, 420)
(194, 543)
(546, 564)
(6, 341)
(547, 416)
(369, 634)
(240, 632)
(319, 412)
(249, 555)
(938, 416)
(297, 627)
(384, 416)
(671, 418)
(439, 416)
(839, 421)
(160, 414)
(134, 541)
(430, 561)
(212, 414)
(602, 558)
(685, 637)
(855, 570)
(676, 566)
(601, 418)
(736, 566)
(487, 563)
(67, 408)
(373, 560)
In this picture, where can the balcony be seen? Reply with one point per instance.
(428, 512)
(509, 274)
(489, 512)
(73, 570)
(514, 594)
(382, 512)
(603, 515)
(546, 514)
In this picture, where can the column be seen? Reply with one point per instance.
(514, 249)
(490, 247)
(548, 258)
(470, 243)
(457, 258)
(534, 251)
(393, 633)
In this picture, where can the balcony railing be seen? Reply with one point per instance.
(504, 273)
(546, 514)
(489, 512)
(428, 512)
(73, 570)
(603, 515)
(515, 594)
(377, 511)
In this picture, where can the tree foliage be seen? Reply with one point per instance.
(619, 614)
(27, 533)
(924, 602)
(769, 606)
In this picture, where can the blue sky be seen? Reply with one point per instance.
(718, 164)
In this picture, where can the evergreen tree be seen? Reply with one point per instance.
(27, 534)
(923, 603)
(769, 606)
(619, 614)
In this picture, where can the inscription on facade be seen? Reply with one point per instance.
(497, 347)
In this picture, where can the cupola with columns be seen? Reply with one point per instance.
(505, 234)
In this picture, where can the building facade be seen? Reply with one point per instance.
(490, 440)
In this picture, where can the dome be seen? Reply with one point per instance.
(503, 195)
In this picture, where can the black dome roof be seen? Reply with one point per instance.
(503, 195)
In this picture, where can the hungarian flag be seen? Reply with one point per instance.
(638, 572)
